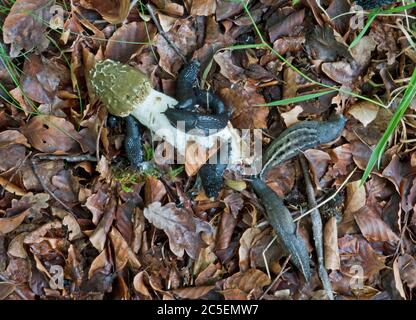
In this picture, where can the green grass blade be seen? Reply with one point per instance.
(301, 98)
(408, 96)
(365, 29)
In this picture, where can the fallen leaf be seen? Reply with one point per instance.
(228, 69)
(128, 39)
(407, 267)
(242, 100)
(364, 111)
(372, 227)
(183, 36)
(203, 7)
(247, 281)
(182, 228)
(73, 227)
(99, 235)
(114, 11)
(139, 285)
(51, 134)
(246, 242)
(193, 292)
(6, 289)
(120, 249)
(24, 27)
(41, 78)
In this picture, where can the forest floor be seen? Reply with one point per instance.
(78, 222)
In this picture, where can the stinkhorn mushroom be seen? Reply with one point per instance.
(125, 91)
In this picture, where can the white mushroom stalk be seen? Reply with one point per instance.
(125, 91)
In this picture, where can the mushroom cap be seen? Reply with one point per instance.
(120, 87)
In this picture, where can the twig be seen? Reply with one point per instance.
(45, 187)
(67, 158)
(329, 198)
(163, 33)
(316, 228)
(277, 277)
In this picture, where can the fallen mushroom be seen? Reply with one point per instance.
(126, 91)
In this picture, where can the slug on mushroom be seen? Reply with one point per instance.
(126, 91)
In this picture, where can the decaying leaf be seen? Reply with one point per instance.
(114, 11)
(51, 134)
(24, 27)
(182, 228)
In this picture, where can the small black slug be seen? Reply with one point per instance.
(132, 142)
(194, 120)
(185, 85)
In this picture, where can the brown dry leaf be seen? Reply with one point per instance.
(16, 246)
(6, 289)
(100, 262)
(36, 236)
(192, 292)
(139, 285)
(229, 70)
(154, 190)
(9, 224)
(182, 228)
(318, 163)
(247, 281)
(341, 156)
(356, 251)
(120, 249)
(364, 111)
(287, 26)
(289, 44)
(291, 117)
(51, 134)
(127, 40)
(183, 36)
(234, 294)
(234, 203)
(407, 267)
(96, 204)
(332, 260)
(203, 7)
(114, 11)
(397, 279)
(28, 204)
(24, 27)
(227, 9)
(99, 236)
(243, 100)
(373, 227)
(246, 242)
(196, 157)
(356, 196)
(74, 229)
(41, 78)
(12, 149)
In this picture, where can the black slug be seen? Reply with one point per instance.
(132, 142)
(299, 137)
(194, 120)
(281, 220)
(211, 178)
(185, 85)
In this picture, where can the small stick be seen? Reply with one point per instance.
(316, 228)
(303, 215)
(163, 33)
(45, 187)
(277, 277)
(79, 158)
